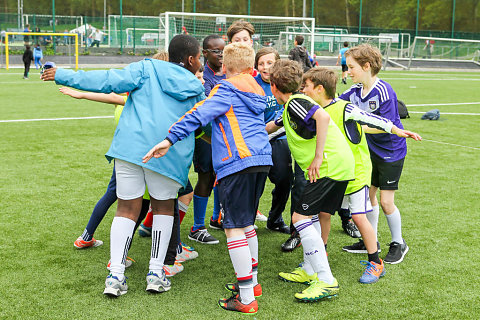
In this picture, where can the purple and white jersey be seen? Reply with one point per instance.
(381, 101)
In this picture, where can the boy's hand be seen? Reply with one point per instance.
(49, 74)
(406, 134)
(313, 169)
(158, 151)
(72, 93)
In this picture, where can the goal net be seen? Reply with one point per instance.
(267, 28)
(61, 48)
(444, 49)
(130, 31)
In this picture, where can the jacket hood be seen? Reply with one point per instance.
(176, 81)
(302, 52)
(248, 91)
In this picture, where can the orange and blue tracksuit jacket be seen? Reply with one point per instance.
(235, 107)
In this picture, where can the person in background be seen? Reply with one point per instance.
(27, 60)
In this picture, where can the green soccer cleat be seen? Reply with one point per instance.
(298, 275)
(318, 290)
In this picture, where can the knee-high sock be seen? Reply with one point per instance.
(199, 209)
(373, 218)
(242, 264)
(149, 219)
(394, 221)
(182, 210)
(252, 240)
(314, 250)
(161, 233)
(120, 238)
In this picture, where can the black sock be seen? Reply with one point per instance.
(325, 247)
(374, 257)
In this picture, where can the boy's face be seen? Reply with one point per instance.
(243, 37)
(199, 76)
(356, 72)
(264, 64)
(193, 63)
(214, 52)
(310, 90)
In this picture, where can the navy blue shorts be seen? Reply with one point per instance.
(188, 189)
(239, 195)
(202, 156)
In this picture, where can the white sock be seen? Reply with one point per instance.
(182, 206)
(242, 264)
(394, 221)
(120, 239)
(316, 224)
(373, 218)
(252, 240)
(314, 250)
(161, 232)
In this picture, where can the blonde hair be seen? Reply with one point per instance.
(238, 57)
(366, 53)
(163, 55)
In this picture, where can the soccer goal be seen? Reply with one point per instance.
(135, 30)
(444, 49)
(267, 28)
(66, 50)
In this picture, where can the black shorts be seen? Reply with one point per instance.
(188, 189)
(385, 175)
(239, 195)
(325, 195)
(344, 68)
(202, 156)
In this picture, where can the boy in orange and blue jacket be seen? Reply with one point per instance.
(241, 157)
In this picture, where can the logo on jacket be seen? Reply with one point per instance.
(372, 105)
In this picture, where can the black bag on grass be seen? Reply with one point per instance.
(402, 110)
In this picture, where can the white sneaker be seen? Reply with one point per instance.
(260, 217)
(115, 287)
(172, 270)
(186, 255)
(128, 263)
(157, 283)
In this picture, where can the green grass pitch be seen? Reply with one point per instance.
(53, 172)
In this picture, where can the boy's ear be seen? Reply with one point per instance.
(366, 66)
(190, 60)
(224, 69)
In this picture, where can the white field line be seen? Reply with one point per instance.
(451, 144)
(441, 104)
(57, 119)
(454, 113)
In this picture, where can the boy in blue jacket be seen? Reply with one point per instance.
(160, 92)
(241, 157)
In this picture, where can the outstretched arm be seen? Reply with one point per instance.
(111, 98)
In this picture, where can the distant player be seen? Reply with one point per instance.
(387, 151)
(320, 149)
(300, 54)
(341, 58)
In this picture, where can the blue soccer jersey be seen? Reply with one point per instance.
(211, 79)
(382, 101)
(273, 110)
(342, 54)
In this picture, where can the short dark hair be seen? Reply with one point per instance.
(345, 44)
(182, 46)
(286, 75)
(208, 39)
(299, 39)
(238, 26)
(322, 76)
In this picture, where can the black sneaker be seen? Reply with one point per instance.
(351, 229)
(359, 247)
(201, 235)
(396, 253)
(292, 243)
(215, 224)
(283, 228)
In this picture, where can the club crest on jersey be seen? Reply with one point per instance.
(372, 105)
(293, 125)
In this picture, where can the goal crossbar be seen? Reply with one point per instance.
(41, 34)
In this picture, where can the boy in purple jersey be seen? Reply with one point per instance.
(387, 151)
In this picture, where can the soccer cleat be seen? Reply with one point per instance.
(292, 243)
(318, 290)
(203, 236)
(396, 253)
(216, 224)
(171, 270)
(233, 287)
(359, 247)
(297, 275)
(187, 247)
(115, 287)
(157, 283)
(234, 304)
(186, 255)
(351, 229)
(282, 228)
(82, 244)
(128, 263)
(260, 217)
(144, 231)
(373, 272)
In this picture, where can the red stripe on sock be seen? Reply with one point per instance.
(250, 234)
(249, 277)
(149, 219)
(237, 246)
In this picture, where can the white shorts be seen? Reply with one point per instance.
(358, 202)
(132, 179)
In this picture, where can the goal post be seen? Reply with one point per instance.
(7, 34)
(267, 28)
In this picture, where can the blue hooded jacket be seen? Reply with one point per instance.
(239, 138)
(160, 93)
